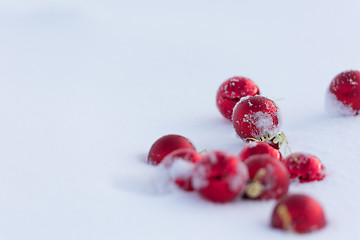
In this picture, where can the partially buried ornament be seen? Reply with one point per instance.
(231, 91)
(298, 213)
(165, 145)
(305, 167)
(256, 117)
(269, 178)
(343, 96)
(180, 165)
(220, 176)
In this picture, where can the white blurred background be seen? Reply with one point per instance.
(87, 86)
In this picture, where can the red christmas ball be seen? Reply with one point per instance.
(256, 117)
(269, 178)
(165, 145)
(298, 213)
(231, 91)
(220, 177)
(254, 148)
(305, 167)
(180, 164)
(344, 94)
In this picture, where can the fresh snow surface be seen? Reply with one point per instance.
(86, 87)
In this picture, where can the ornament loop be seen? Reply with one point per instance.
(203, 151)
(277, 139)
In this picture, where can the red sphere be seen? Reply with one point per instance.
(180, 164)
(253, 148)
(269, 177)
(231, 91)
(255, 117)
(298, 213)
(305, 167)
(220, 177)
(165, 145)
(344, 93)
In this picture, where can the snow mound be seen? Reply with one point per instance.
(336, 108)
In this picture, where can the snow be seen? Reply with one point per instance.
(263, 122)
(181, 169)
(251, 144)
(85, 90)
(162, 180)
(199, 178)
(336, 108)
(240, 178)
(213, 158)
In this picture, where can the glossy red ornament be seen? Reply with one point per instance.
(269, 177)
(298, 213)
(344, 93)
(165, 145)
(253, 148)
(256, 117)
(220, 177)
(305, 167)
(180, 164)
(231, 91)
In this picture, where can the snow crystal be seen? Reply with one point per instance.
(353, 82)
(245, 98)
(336, 108)
(251, 144)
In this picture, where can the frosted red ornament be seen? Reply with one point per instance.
(298, 213)
(254, 148)
(305, 167)
(256, 117)
(219, 176)
(165, 145)
(344, 94)
(231, 91)
(269, 177)
(180, 164)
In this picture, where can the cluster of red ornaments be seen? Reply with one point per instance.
(259, 171)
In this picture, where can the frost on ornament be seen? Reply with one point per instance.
(343, 95)
(256, 117)
(231, 91)
(263, 123)
(305, 167)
